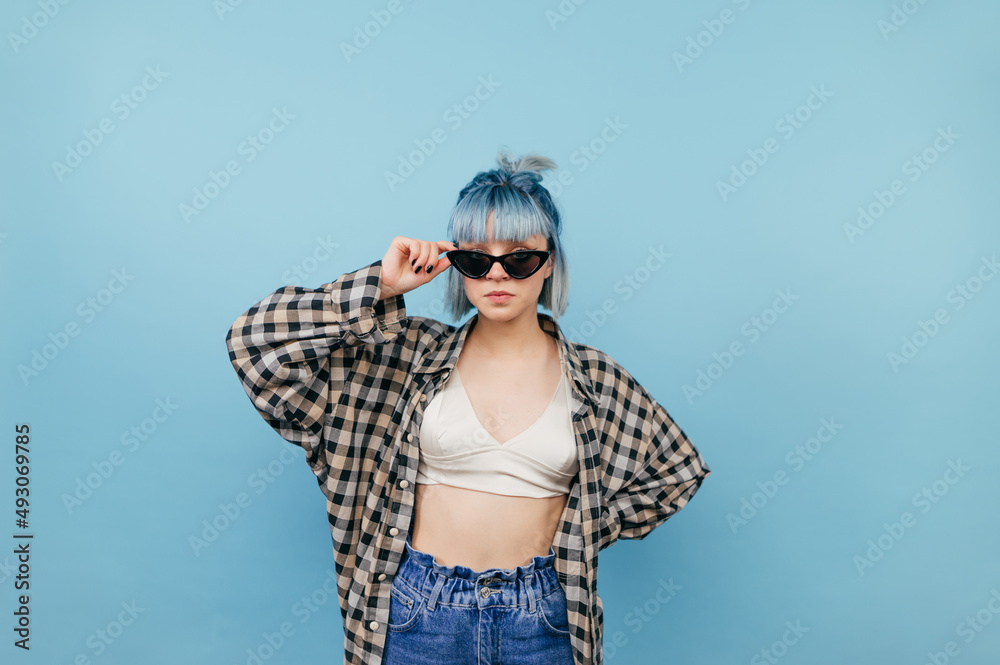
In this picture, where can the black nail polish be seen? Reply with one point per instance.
(429, 268)
(418, 269)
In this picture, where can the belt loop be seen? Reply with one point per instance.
(530, 586)
(432, 601)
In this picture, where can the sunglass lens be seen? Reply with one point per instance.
(471, 264)
(522, 264)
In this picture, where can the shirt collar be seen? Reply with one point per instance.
(445, 356)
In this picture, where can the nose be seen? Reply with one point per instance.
(497, 272)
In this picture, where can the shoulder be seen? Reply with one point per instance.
(428, 332)
(428, 327)
(602, 368)
(420, 336)
(614, 384)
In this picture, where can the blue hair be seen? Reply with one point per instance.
(521, 207)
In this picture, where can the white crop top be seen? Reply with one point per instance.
(455, 448)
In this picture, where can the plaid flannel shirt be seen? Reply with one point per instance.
(346, 375)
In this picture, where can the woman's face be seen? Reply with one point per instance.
(522, 295)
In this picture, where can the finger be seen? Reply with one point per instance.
(445, 246)
(439, 260)
(421, 258)
(429, 259)
(406, 247)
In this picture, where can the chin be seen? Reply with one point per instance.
(495, 311)
(500, 313)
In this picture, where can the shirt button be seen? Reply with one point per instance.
(404, 483)
(423, 397)
(393, 531)
(409, 437)
(373, 625)
(381, 577)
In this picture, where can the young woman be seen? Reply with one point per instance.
(472, 472)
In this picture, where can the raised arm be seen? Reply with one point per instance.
(293, 350)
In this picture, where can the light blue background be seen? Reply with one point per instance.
(322, 180)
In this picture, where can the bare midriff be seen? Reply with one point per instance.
(482, 530)
(478, 529)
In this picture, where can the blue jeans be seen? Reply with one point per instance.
(453, 615)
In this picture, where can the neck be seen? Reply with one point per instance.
(518, 337)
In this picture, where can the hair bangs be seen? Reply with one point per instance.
(516, 216)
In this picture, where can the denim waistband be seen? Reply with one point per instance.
(462, 586)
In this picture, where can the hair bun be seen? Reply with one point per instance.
(531, 163)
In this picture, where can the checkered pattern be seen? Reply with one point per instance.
(346, 376)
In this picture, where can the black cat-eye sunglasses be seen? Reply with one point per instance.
(519, 265)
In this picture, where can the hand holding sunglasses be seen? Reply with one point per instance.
(410, 263)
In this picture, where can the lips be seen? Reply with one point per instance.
(499, 297)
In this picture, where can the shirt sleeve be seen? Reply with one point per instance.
(659, 473)
(293, 350)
